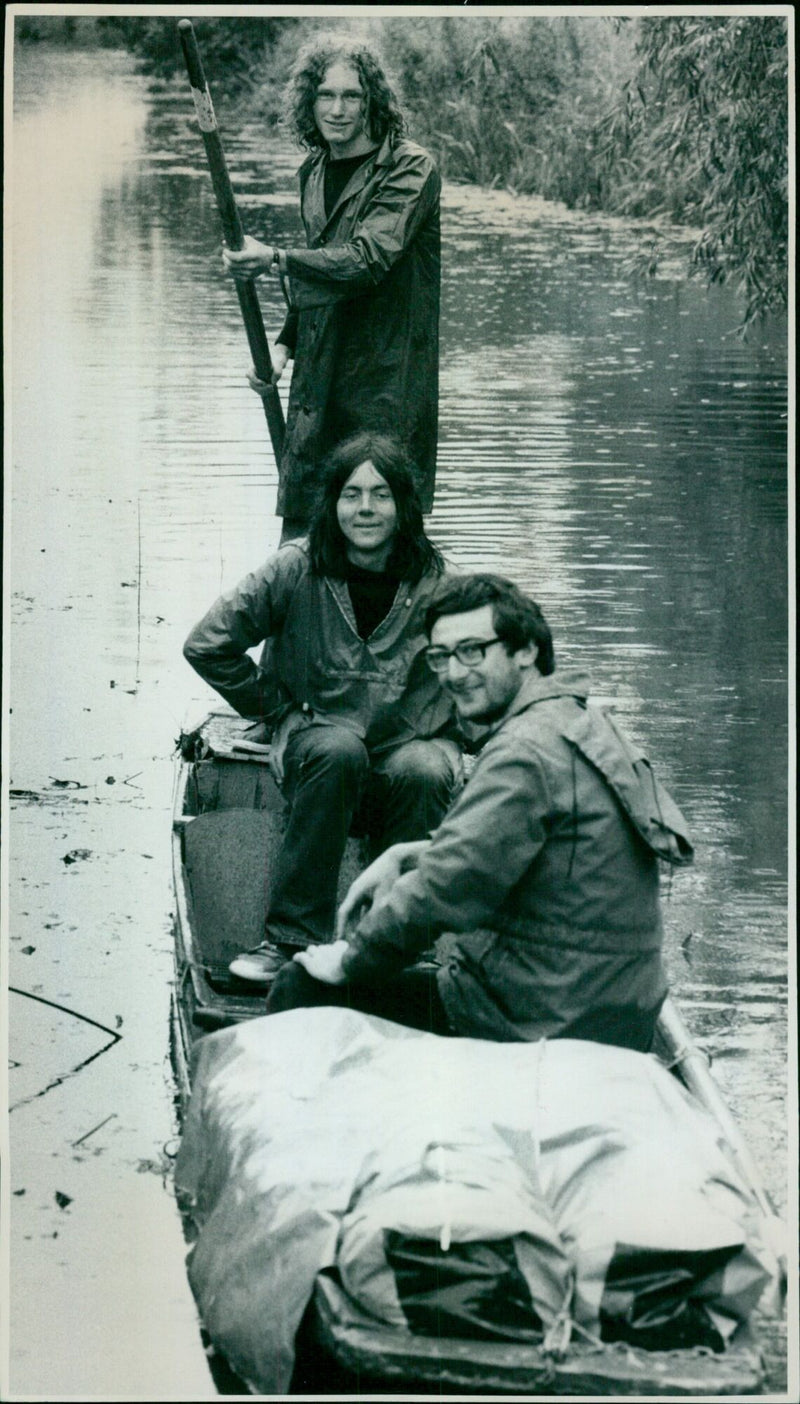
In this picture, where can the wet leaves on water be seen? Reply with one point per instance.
(76, 855)
(162, 1166)
(149, 1167)
(44, 796)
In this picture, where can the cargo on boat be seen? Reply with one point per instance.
(375, 1207)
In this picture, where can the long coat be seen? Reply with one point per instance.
(366, 297)
(547, 868)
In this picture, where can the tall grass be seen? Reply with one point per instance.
(681, 116)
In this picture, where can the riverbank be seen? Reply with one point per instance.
(680, 115)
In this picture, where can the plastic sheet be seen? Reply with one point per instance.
(579, 1183)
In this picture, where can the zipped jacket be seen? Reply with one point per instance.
(314, 660)
(364, 304)
(547, 868)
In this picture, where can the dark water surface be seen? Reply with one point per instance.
(608, 442)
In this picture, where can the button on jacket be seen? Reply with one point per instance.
(314, 660)
(365, 299)
(547, 867)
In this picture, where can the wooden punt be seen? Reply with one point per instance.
(227, 820)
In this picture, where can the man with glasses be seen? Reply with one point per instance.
(363, 319)
(545, 868)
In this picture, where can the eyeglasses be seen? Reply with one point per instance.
(470, 654)
(350, 100)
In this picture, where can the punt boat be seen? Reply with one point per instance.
(228, 814)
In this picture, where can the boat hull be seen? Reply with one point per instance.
(223, 772)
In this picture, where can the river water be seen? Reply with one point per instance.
(607, 441)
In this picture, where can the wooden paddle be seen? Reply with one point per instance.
(233, 233)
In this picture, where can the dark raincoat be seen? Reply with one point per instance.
(364, 312)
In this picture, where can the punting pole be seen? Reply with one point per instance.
(233, 232)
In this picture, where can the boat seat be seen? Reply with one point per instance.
(233, 784)
(228, 855)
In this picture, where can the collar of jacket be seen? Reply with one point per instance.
(312, 180)
(535, 689)
(403, 599)
(316, 160)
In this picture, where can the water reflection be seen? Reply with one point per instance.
(607, 442)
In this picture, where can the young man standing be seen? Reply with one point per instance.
(363, 322)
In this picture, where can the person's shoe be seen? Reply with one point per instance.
(260, 965)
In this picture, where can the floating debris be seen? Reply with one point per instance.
(44, 797)
(87, 1134)
(113, 1038)
(28, 950)
(62, 1200)
(76, 855)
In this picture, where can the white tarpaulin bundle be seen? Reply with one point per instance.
(528, 1181)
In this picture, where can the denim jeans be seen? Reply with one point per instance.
(329, 776)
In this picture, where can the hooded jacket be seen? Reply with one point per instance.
(314, 660)
(547, 868)
(364, 308)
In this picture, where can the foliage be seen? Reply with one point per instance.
(240, 49)
(477, 89)
(79, 31)
(683, 117)
(712, 113)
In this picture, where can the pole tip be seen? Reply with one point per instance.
(184, 25)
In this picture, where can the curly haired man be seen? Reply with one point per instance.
(363, 319)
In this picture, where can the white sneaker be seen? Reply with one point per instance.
(260, 965)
